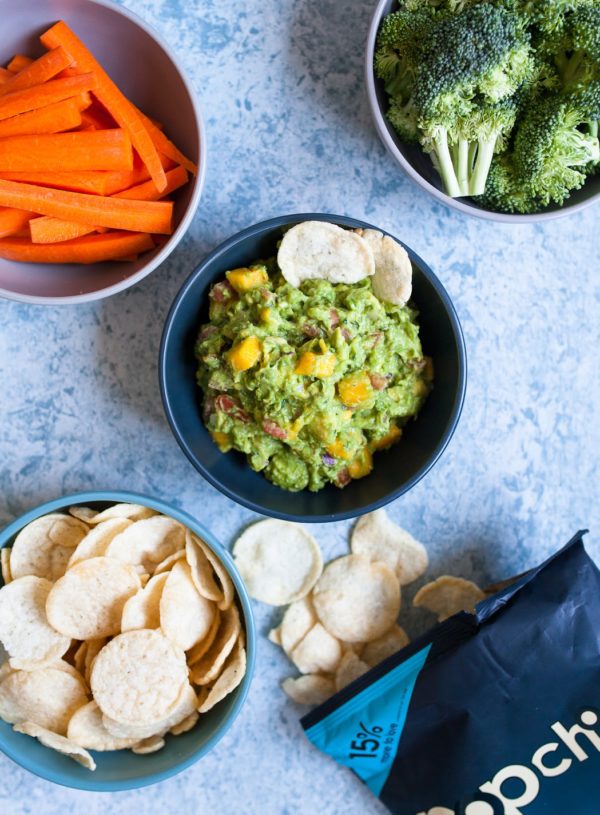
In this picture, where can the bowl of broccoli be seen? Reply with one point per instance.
(492, 106)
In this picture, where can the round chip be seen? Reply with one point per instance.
(150, 745)
(279, 561)
(133, 512)
(274, 635)
(202, 571)
(317, 652)
(297, 621)
(87, 602)
(186, 704)
(24, 628)
(196, 653)
(225, 583)
(93, 649)
(138, 676)
(5, 565)
(86, 729)
(79, 657)
(185, 615)
(380, 539)
(228, 681)
(142, 610)
(147, 543)
(323, 251)
(166, 564)
(44, 546)
(384, 646)
(357, 600)
(59, 743)
(392, 281)
(448, 595)
(206, 669)
(97, 539)
(186, 725)
(46, 696)
(312, 689)
(85, 514)
(350, 668)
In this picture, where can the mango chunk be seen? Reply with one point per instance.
(355, 389)
(362, 464)
(245, 354)
(337, 450)
(265, 314)
(243, 280)
(393, 435)
(319, 365)
(222, 440)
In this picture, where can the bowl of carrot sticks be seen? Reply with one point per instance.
(102, 150)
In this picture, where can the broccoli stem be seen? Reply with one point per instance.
(445, 165)
(568, 66)
(594, 128)
(463, 166)
(485, 154)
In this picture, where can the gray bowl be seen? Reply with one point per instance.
(148, 72)
(417, 164)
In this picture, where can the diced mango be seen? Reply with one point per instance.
(265, 314)
(245, 354)
(244, 280)
(428, 369)
(420, 388)
(337, 450)
(355, 389)
(362, 464)
(222, 440)
(319, 365)
(391, 437)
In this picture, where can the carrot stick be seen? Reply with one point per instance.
(53, 91)
(40, 71)
(165, 145)
(120, 108)
(115, 213)
(13, 220)
(18, 62)
(66, 152)
(98, 117)
(5, 75)
(52, 230)
(91, 249)
(55, 118)
(94, 182)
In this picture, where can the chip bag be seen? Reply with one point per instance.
(492, 713)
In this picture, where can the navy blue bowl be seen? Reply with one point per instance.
(395, 471)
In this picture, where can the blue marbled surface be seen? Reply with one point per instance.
(289, 130)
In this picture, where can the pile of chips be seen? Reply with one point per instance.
(120, 627)
(343, 618)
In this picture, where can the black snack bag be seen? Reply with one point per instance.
(496, 713)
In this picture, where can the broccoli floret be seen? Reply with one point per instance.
(450, 6)
(505, 191)
(553, 146)
(470, 65)
(578, 56)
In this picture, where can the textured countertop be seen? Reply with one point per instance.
(289, 130)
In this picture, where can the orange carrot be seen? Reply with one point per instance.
(53, 91)
(148, 192)
(94, 182)
(166, 146)
(115, 213)
(98, 117)
(119, 107)
(5, 75)
(91, 249)
(97, 150)
(18, 62)
(55, 118)
(40, 71)
(13, 220)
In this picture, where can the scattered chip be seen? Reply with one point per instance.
(150, 745)
(5, 565)
(350, 668)
(147, 543)
(55, 742)
(280, 562)
(133, 512)
(97, 540)
(46, 696)
(380, 539)
(357, 600)
(297, 621)
(185, 615)
(208, 667)
(202, 572)
(86, 729)
(274, 635)
(44, 546)
(324, 251)
(228, 681)
(317, 652)
(138, 676)
(384, 646)
(24, 628)
(143, 609)
(392, 281)
(448, 595)
(311, 689)
(87, 602)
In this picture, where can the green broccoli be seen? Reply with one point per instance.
(505, 190)
(471, 64)
(578, 52)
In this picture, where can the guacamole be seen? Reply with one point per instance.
(308, 382)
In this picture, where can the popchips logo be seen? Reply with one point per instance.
(550, 760)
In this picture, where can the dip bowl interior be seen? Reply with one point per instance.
(123, 769)
(396, 470)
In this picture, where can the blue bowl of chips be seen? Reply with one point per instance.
(122, 769)
(395, 471)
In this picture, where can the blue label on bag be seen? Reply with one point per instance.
(364, 733)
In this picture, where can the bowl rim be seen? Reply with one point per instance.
(384, 132)
(123, 496)
(457, 405)
(192, 207)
